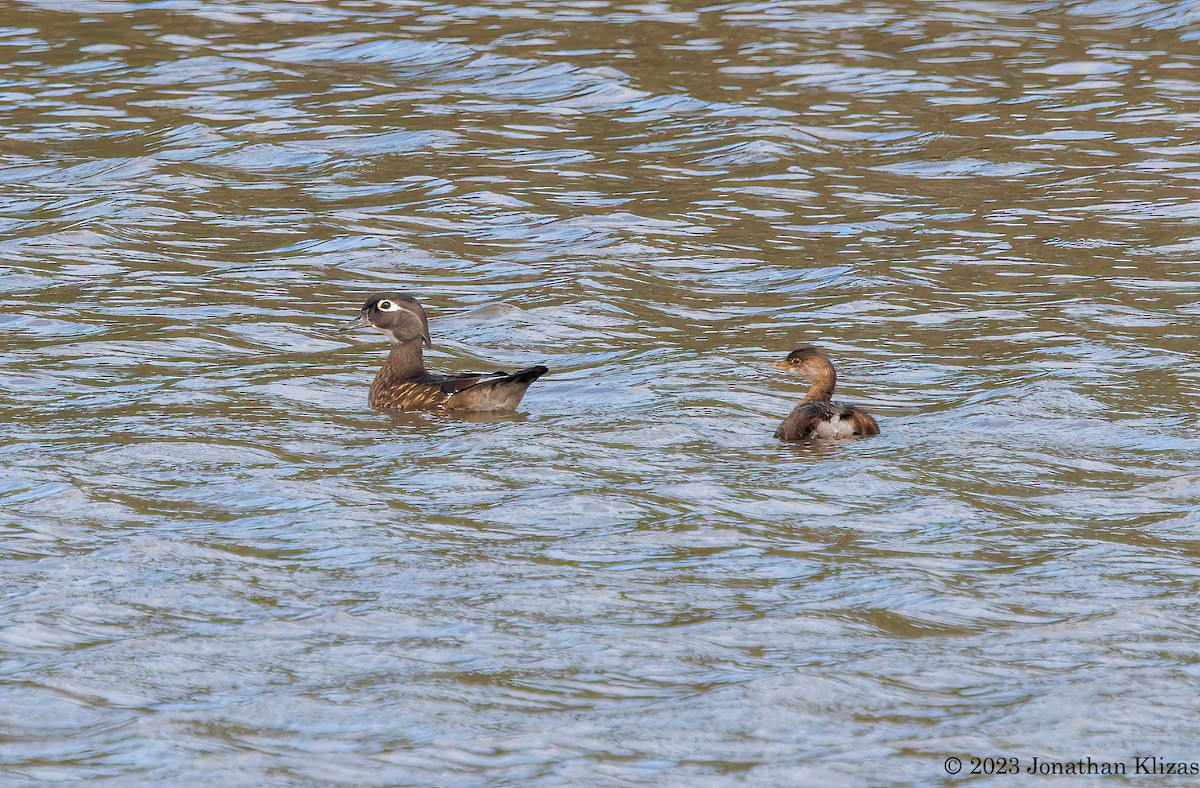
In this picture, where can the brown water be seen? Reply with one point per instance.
(219, 567)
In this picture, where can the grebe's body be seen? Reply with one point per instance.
(403, 383)
(818, 417)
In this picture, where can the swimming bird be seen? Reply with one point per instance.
(404, 384)
(818, 416)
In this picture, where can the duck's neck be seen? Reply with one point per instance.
(822, 385)
(403, 361)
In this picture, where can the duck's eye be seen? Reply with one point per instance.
(386, 306)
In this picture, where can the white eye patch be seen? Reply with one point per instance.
(388, 306)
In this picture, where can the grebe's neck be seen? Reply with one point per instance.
(823, 381)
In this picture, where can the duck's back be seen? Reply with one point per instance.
(823, 419)
(496, 392)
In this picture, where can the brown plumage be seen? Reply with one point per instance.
(403, 382)
(818, 416)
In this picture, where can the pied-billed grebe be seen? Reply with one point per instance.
(818, 416)
(404, 384)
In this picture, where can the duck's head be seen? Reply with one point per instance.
(808, 361)
(397, 315)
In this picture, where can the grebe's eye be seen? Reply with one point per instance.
(386, 306)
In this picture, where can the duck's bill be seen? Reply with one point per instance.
(358, 322)
(781, 365)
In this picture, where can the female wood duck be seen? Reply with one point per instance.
(404, 384)
(818, 416)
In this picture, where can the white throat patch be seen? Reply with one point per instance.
(387, 333)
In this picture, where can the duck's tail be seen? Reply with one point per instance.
(526, 376)
(499, 393)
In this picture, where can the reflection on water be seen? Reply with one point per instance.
(221, 567)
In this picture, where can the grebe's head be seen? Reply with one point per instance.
(397, 316)
(808, 361)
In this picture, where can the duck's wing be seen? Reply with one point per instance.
(864, 423)
(499, 391)
(452, 384)
(802, 422)
(418, 394)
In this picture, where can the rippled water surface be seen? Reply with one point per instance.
(220, 567)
